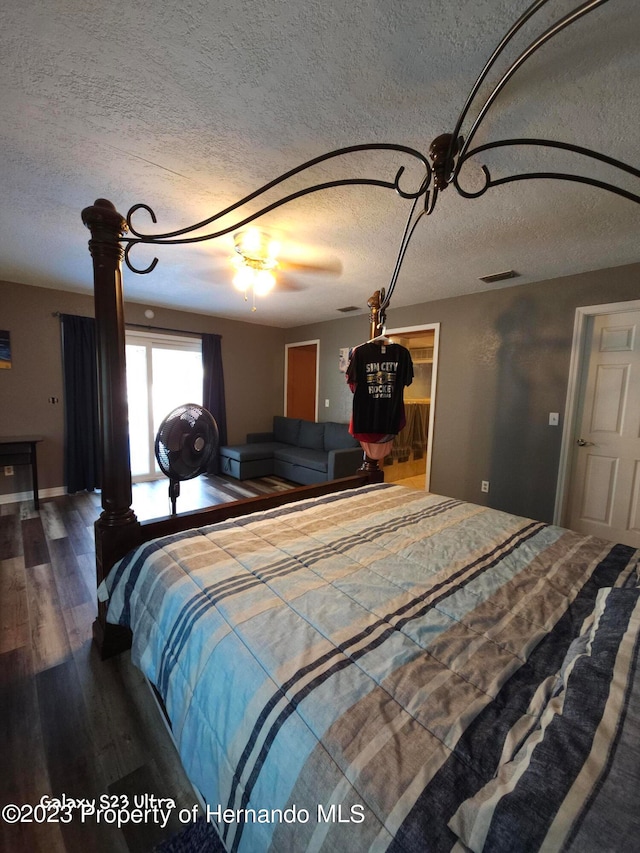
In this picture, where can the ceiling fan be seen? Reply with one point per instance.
(256, 261)
(292, 263)
(260, 266)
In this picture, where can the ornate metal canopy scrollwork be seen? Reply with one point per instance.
(447, 156)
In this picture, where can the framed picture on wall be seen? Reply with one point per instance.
(5, 349)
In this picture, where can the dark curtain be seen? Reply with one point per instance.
(82, 438)
(213, 389)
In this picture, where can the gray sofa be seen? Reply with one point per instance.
(301, 451)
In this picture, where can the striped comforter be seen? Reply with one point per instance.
(389, 670)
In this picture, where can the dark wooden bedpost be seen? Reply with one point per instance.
(117, 528)
(376, 319)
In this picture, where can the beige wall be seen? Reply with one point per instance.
(504, 365)
(252, 356)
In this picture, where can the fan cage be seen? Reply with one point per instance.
(186, 442)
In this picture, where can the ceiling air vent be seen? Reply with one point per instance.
(348, 308)
(499, 276)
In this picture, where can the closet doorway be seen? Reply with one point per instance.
(412, 447)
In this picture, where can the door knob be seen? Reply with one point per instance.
(582, 443)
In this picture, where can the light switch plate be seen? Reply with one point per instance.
(554, 418)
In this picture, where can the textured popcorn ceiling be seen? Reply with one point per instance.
(189, 106)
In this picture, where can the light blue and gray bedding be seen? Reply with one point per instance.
(448, 675)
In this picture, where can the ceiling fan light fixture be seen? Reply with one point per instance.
(255, 261)
(257, 246)
(263, 282)
(243, 279)
(273, 249)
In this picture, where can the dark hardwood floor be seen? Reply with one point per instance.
(71, 724)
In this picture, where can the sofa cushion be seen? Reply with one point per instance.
(286, 429)
(337, 436)
(311, 435)
(249, 452)
(316, 459)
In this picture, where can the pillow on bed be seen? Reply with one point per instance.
(575, 782)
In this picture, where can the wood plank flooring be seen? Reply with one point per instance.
(70, 723)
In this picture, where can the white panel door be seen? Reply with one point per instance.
(605, 488)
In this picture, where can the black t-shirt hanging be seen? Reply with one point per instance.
(379, 373)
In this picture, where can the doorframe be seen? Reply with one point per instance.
(576, 370)
(316, 341)
(426, 327)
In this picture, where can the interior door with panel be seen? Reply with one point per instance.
(605, 486)
(302, 381)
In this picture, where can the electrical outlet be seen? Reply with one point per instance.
(484, 486)
(8, 470)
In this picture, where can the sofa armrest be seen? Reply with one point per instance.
(254, 437)
(344, 462)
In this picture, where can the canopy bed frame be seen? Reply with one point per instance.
(118, 530)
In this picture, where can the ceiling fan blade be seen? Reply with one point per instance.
(331, 267)
(287, 284)
(215, 267)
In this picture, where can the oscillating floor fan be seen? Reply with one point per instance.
(186, 442)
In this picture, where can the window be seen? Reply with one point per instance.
(163, 372)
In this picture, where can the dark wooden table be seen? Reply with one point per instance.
(21, 450)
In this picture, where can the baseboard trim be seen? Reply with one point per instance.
(18, 497)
